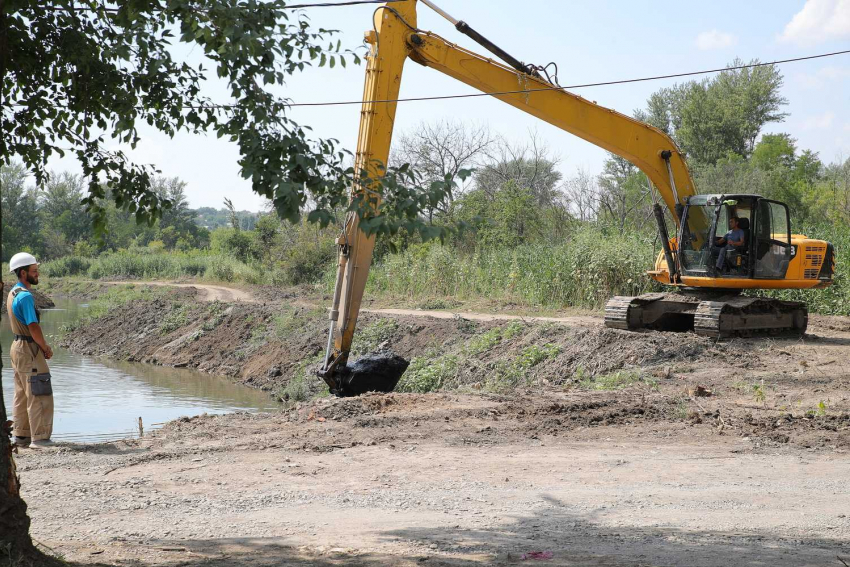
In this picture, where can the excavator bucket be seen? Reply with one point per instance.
(373, 373)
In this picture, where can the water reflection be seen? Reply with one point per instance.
(95, 397)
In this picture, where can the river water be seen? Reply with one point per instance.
(98, 399)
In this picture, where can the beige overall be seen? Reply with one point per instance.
(32, 414)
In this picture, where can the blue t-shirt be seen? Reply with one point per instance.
(735, 234)
(23, 306)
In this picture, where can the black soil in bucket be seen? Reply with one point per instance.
(372, 373)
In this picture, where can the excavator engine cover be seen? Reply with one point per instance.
(372, 373)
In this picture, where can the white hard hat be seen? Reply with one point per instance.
(21, 260)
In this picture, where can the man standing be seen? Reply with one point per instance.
(33, 401)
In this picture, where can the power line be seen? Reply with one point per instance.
(581, 86)
(524, 91)
(334, 4)
(287, 7)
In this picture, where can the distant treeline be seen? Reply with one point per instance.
(540, 237)
(51, 222)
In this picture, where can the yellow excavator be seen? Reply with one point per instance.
(707, 278)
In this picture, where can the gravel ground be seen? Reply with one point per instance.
(435, 480)
(704, 453)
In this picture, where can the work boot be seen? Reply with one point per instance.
(21, 441)
(41, 444)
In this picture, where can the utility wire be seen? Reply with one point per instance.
(334, 4)
(287, 7)
(524, 91)
(581, 86)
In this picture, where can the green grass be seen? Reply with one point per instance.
(583, 272)
(215, 311)
(113, 298)
(613, 381)
(510, 374)
(441, 371)
(175, 318)
(430, 374)
(143, 264)
(437, 303)
(489, 339)
(367, 339)
(292, 320)
(303, 384)
(117, 296)
(483, 342)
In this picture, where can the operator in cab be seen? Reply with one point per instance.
(732, 239)
(33, 400)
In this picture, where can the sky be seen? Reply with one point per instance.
(590, 40)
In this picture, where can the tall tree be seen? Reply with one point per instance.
(529, 166)
(79, 76)
(582, 194)
(624, 194)
(21, 222)
(440, 150)
(64, 220)
(775, 150)
(712, 118)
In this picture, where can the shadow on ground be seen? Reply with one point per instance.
(572, 539)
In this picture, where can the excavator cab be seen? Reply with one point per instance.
(766, 251)
(711, 276)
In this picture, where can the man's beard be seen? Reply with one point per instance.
(32, 280)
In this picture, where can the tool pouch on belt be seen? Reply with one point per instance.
(40, 384)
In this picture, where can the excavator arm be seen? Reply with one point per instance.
(394, 39)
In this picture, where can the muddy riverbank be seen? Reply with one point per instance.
(42, 301)
(776, 390)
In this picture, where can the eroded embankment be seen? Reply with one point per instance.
(778, 390)
(268, 345)
(42, 301)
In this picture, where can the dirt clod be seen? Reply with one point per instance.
(373, 373)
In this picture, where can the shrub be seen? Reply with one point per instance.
(231, 242)
(68, 266)
(427, 374)
(583, 272)
(306, 259)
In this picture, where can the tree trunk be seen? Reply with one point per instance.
(15, 543)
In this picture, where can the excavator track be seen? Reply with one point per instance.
(745, 316)
(617, 312)
(659, 311)
(709, 315)
(707, 319)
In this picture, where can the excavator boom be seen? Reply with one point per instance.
(396, 38)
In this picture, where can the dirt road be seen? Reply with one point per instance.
(439, 480)
(206, 292)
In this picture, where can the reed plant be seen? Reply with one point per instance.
(582, 272)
